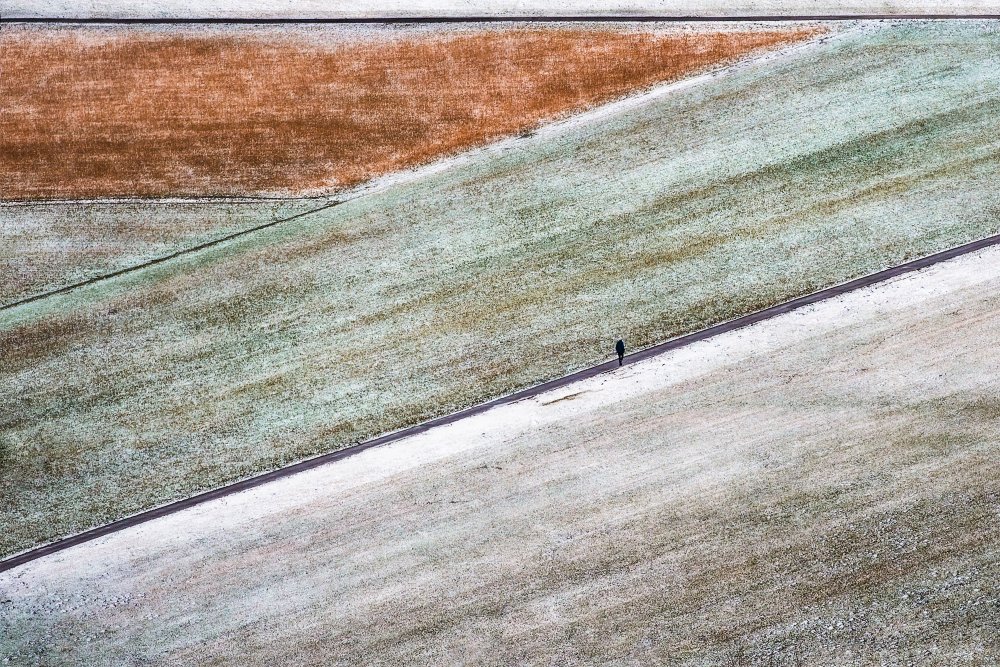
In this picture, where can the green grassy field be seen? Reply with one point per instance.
(522, 265)
(819, 489)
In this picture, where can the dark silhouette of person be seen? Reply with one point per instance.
(620, 349)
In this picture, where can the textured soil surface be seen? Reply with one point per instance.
(156, 112)
(819, 489)
(520, 264)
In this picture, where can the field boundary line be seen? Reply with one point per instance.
(163, 258)
(522, 394)
(558, 124)
(569, 18)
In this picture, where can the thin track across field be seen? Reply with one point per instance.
(163, 258)
(529, 392)
(331, 202)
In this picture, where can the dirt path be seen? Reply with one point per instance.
(530, 392)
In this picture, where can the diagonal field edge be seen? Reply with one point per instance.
(330, 201)
(590, 18)
(162, 258)
(244, 232)
(649, 352)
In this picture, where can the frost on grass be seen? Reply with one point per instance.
(816, 486)
(523, 264)
(236, 111)
(48, 246)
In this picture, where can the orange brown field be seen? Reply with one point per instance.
(98, 113)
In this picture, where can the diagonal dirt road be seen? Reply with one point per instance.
(738, 323)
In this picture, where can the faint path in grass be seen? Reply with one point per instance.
(530, 392)
(164, 258)
(452, 290)
(380, 184)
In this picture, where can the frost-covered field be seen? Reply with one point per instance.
(48, 246)
(513, 266)
(392, 99)
(379, 8)
(818, 489)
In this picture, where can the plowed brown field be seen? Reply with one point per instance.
(96, 113)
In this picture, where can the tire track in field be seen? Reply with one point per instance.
(529, 392)
(588, 115)
(163, 258)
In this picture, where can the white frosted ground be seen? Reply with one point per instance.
(320, 486)
(373, 8)
(794, 201)
(816, 489)
(592, 118)
(204, 546)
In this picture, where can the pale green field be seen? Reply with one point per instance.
(819, 489)
(522, 265)
(45, 246)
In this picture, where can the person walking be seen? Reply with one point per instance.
(620, 349)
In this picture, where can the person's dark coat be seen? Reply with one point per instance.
(620, 350)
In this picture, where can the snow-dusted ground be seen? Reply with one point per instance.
(51, 245)
(403, 8)
(519, 264)
(48, 245)
(811, 484)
